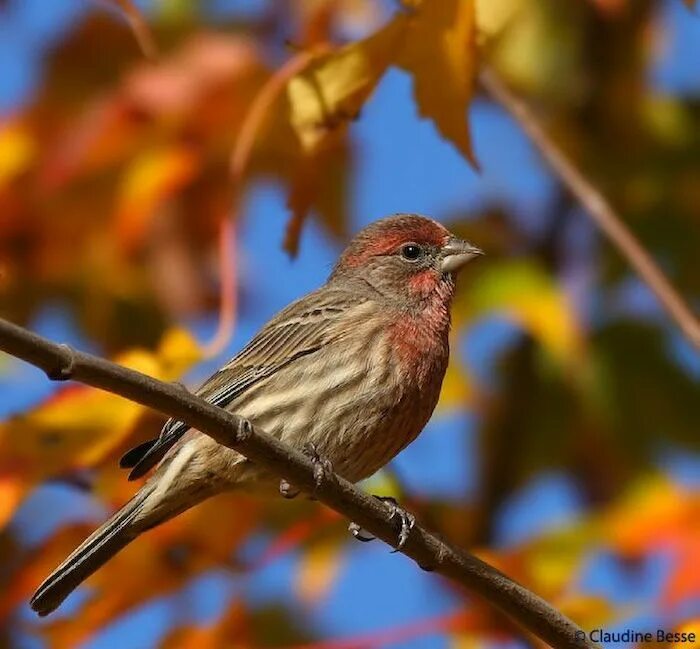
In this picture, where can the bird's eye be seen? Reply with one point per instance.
(411, 251)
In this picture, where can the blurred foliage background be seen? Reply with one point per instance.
(172, 172)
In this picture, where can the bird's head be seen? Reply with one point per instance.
(405, 255)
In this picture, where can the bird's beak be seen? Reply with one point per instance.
(456, 253)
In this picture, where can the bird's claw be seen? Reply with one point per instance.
(406, 519)
(287, 491)
(360, 533)
(323, 468)
(181, 386)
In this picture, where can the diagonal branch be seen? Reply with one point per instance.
(597, 207)
(61, 362)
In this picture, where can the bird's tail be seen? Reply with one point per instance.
(151, 506)
(117, 532)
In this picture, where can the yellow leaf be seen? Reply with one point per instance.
(533, 44)
(590, 611)
(440, 53)
(151, 178)
(651, 514)
(334, 87)
(528, 295)
(177, 352)
(12, 490)
(317, 570)
(457, 390)
(553, 558)
(80, 426)
(466, 641)
(691, 626)
(494, 16)
(17, 149)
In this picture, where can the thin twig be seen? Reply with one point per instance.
(139, 27)
(258, 110)
(597, 207)
(240, 159)
(61, 362)
(228, 304)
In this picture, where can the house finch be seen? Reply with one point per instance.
(352, 371)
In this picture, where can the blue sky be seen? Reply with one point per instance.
(404, 167)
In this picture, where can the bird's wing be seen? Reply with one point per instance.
(301, 329)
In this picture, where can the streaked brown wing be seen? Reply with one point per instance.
(302, 328)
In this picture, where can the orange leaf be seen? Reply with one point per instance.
(80, 426)
(684, 581)
(655, 514)
(152, 177)
(20, 583)
(332, 90)
(440, 53)
(17, 150)
(318, 568)
(158, 563)
(12, 490)
(229, 631)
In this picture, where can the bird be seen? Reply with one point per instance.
(350, 373)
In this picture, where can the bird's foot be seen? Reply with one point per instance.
(287, 490)
(323, 469)
(181, 386)
(407, 522)
(360, 533)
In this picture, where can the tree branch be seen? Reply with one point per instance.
(61, 362)
(597, 207)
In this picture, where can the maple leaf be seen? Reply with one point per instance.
(523, 292)
(150, 180)
(440, 53)
(318, 569)
(80, 426)
(333, 88)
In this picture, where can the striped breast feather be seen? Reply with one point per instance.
(303, 328)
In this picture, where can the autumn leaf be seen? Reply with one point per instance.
(79, 426)
(551, 559)
(17, 150)
(525, 293)
(457, 389)
(294, 535)
(219, 634)
(589, 611)
(333, 88)
(440, 53)
(35, 565)
(160, 562)
(651, 515)
(658, 515)
(317, 181)
(318, 568)
(150, 179)
(683, 583)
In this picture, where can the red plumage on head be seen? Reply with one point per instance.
(387, 235)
